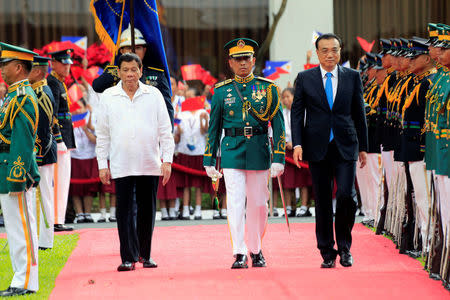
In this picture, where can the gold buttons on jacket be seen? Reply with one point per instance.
(231, 112)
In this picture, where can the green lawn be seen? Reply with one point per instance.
(51, 263)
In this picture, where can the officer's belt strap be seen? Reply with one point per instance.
(4, 148)
(263, 124)
(244, 131)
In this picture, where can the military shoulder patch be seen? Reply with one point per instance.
(222, 83)
(160, 70)
(264, 79)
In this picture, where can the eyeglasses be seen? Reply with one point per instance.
(332, 51)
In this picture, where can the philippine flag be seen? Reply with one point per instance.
(80, 41)
(79, 120)
(275, 68)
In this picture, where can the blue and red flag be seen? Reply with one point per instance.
(112, 17)
(273, 69)
(79, 120)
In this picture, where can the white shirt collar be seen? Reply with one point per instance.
(142, 89)
(334, 72)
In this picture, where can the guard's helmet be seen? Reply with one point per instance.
(125, 38)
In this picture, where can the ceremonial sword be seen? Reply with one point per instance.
(284, 205)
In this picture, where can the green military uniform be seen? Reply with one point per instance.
(242, 108)
(229, 112)
(19, 116)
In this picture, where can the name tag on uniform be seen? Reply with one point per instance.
(230, 100)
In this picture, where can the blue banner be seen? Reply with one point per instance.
(112, 15)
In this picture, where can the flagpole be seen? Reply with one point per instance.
(133, 46)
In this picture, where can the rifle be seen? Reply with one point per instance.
(408, 224)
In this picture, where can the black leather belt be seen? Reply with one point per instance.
(245, 131)
(4, 148)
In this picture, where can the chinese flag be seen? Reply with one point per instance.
(192, 72)
(194, 103)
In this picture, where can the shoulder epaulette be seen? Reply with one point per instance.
(264, 79)
(21, 91)
(160, 70)
(222, 83)
(113, 70)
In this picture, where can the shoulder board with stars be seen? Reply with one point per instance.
(156, 69)
(222, 83)
(264, 79)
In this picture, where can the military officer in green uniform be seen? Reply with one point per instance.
(443, 142)
(242, 107)
(434, 106)
(18, 169)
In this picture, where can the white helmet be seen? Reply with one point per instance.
(125, 38)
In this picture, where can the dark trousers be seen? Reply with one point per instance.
(135, 231)
(322, 173)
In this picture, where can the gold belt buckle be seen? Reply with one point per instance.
(248, 131)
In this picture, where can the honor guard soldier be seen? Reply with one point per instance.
(442, 133)
(369, 177)
(242, 108)
(150, 75)
(412, 138)
(63, 131)
(46, 156)
(388, 60)
(434, 99)
(18, 169)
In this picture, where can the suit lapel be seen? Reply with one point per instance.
(321, 90)
(340, 87)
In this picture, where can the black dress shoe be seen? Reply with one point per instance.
(2, 221)
(149, 263)
(126, 266)
(240, 262)
(13, 291)
(435, 276)
(44, 248)
(62, 227)
(258, 260)
(112, 219)
(328, 264)
(346, 259)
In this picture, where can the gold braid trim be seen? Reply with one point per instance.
(265, 115)
(384, 89)
(410, 99)
(45, 102)
(69, 102)
(277, 107)
(20, 108)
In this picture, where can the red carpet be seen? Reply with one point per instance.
(194, 263)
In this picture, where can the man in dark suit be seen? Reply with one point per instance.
(329, 131)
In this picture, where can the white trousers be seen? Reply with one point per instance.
(443, 187)
(421, 188)
(253, 184)
(388, 162)
(20, 225)
(62, 184)
(369, 182)
(46, 207)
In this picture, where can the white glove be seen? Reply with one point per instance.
(212, 172)
(61, 147)
(276, 169)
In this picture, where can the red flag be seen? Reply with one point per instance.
(192, 72)
(309, 66)
(365, 45)
(208, 79)
(74, 94)
(194, 103)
